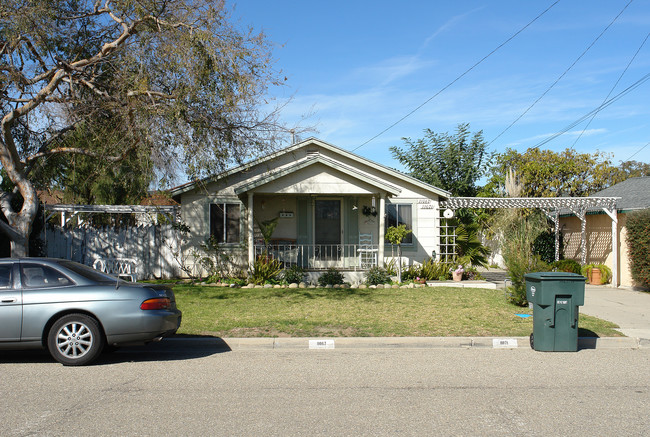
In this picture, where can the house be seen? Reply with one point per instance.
(332, 209)
(634, 194)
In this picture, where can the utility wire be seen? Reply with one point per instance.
(458, 78)
(637, 152)
(613, 88)
(626, 91)
(562, 75)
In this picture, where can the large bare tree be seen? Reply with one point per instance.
(175, 81)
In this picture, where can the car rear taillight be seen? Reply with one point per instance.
(159, 303)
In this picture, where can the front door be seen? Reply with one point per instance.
(11, 309)
(327, 230)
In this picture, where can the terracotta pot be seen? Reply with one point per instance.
(594, 278)
(457, 276)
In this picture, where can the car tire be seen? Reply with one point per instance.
(75, 340)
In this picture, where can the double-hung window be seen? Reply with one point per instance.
(400, 214)
(224, 222)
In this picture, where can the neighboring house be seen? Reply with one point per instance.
(634, 195)
(332, 209)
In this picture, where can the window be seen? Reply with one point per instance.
(37, 276)
(400, 215)
(224, 222)
(5, 276)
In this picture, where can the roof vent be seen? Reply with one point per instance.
(313, 153)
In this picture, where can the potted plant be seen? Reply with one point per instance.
(457, 274)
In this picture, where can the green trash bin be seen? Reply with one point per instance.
(556, 297)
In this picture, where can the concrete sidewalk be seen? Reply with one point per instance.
(629, 309)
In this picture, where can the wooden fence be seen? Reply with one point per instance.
(152, 246)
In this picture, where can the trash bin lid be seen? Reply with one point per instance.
(554, 276)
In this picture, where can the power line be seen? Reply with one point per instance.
(637, 152)
(562, 75)
(458, 78)
(626, 91)
(613, 88)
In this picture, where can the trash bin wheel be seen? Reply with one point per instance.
(532, 344)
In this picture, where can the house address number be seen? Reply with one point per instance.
(426, 204)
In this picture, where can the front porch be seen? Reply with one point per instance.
(315, 257)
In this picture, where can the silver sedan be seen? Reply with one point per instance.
(75, 311)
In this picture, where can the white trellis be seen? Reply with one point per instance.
(552, 207)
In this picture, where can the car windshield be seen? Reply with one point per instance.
(88, 272)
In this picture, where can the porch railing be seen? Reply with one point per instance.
(322, 256)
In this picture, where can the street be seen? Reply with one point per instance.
(177, 388)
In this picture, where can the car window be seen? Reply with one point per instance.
(5, 276)
(88, 272)
(37, 276)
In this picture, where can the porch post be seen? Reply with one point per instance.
(613, 214)
(251, 230)
(382, 218)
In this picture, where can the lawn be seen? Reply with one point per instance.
(419, 312)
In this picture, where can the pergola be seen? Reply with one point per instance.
(552, 206)
(69, 211)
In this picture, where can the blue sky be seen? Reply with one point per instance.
(361, 66)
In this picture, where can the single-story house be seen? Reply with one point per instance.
(332, 209)
(634, 195)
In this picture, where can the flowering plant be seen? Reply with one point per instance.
(459, 270)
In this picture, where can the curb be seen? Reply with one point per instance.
(306, 343)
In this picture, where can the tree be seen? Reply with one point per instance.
(451, 162)
(395, 235)
(167, 81)
(544, 173)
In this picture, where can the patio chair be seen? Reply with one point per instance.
(367, 252)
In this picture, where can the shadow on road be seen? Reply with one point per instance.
(169, 349)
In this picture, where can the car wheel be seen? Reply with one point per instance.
(75, 340)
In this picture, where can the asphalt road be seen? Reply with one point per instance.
(176, 388)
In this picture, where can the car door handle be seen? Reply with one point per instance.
(9, 300)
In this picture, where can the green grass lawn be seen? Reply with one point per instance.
(419, 312)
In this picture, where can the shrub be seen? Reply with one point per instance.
(331, 277)
(429, 270)
(520, 233)
(432, 270)
(567, 265)
(265, 269)
(638, 244)
(544, 245)
(377, 275)
(293, 274)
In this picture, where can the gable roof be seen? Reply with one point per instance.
(634, 193)
(317, 159)
(379, 167)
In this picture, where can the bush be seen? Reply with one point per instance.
(429, 270)
(377, 275)
(638, 246)
(544, 245)
(520, 233)
(265, 269)
(567, 265)
(331, 277)
(293, 274)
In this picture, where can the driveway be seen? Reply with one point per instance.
(627, 308)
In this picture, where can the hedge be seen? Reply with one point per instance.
(638, 243)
